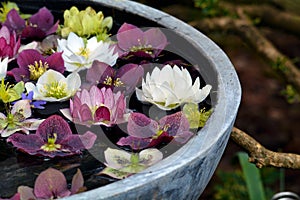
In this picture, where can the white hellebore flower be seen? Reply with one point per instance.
(170, 87)
(79, 54)
(3, 67)
(53, 86)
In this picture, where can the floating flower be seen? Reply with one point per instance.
(52, 184)
(53, 86)
(144, 132)
(37, 26)
(53, 138)
(170, 87)
(34, 104)
(3, 67)
(122, 79)
(196, 118)
(32, 65)
(17, 120)
(132, 40)
(86, 23)
(121, 164)
(79, 54)
(97, 106)
(9, 44)
(10, 93)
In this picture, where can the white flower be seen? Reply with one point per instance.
(17, 120)
(3, 67)
(170, 87)
(79, 55)
(53, 86)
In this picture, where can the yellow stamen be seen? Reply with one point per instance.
(55, 89)
(37, 69)
(51, 146)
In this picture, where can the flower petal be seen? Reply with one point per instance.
(134, 142)
(150, 156)
(140, 126)
(77, 182)
(175, 123)
(116, 158)
(28, 143)
(51, 183)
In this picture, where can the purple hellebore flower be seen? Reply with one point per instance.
(32, 65)
(38, 26)
(133, 40)
(52, 184)
(9, 44)
(97, 107)
(145, 132)
(53, 138)
(123, 79)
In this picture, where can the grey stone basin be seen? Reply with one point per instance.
(184, 174)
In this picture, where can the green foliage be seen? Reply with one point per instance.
(232, 185)
(279, 64)
(252, 178)
(291, 94)
(209, 8)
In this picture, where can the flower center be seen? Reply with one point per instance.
(161, 131)
(37, 69)
(55, 89)
(142, 47)
(50, 145)
(83, 52)
(109, 81)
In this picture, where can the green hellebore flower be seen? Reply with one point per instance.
(9, 93)
(86, 23)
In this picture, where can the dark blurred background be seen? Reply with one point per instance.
(270, 108)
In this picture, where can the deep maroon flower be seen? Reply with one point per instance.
(145, 132)
(32, 65)
(123, 79)
(9, 44)
(53, 138)
(133, 40)
(52, 184)
(38, 26)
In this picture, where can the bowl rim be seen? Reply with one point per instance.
(221, 120)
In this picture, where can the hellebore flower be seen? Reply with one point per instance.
(53, 138)
(3, 67)
(97, 106)
(132, 40)
(145, 132)
(38, 26)
(86, 23)
(52, 184)
(17, 119)
(79, 54)
(9, 45)
(53, 86)
(170, 87)
(121, 164)
(196, 118)
(32, 65)
(10, 93)
(122, 79)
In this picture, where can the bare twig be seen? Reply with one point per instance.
(261, 156)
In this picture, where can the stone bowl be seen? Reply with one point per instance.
(185, 173)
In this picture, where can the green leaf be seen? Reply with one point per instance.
(252, 178)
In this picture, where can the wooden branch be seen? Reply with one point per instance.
(261, 156)
(250, 33)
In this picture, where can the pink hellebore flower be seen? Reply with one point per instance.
(38, 26)
(9, 44)
(145, 132)
(52, 184)
(53, 138)
(97, 107)
(123, 79)
(33, 64)
(132, 40)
